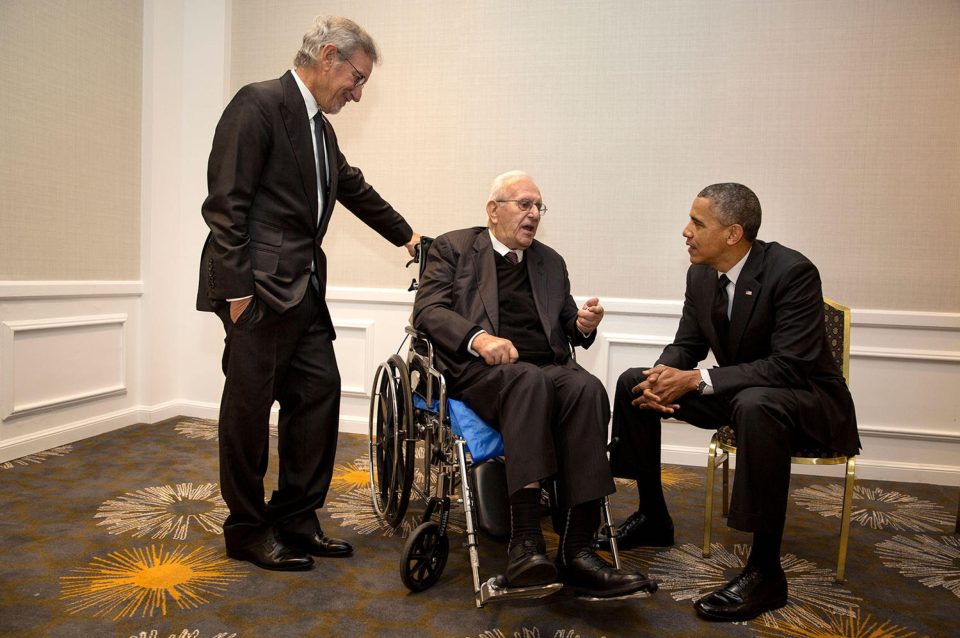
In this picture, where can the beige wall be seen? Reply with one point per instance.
(70, 139)
(842, 117)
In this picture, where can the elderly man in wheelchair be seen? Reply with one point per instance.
(496, 305)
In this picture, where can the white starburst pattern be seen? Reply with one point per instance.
(838, 626)
(684, 573)
(186, 633)
(933, 560)
(528, 632)
(876, 508)
(207, 429)
(39, 457)
(355, 509)
(165, 510)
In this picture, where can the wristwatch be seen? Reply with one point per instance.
(701, 387)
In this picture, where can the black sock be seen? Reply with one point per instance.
(525, 514)
(765, 553)
(652, 502)
(578, 528)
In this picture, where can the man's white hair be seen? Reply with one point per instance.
(500, 182)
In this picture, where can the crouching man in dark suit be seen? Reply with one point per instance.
(496, 304)
(759, 307)
(274, 175)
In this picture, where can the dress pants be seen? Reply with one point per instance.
(767, 427)
(287, 358)
(553, 420)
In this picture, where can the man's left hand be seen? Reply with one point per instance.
(589, 316)
(669, 384)
(411, 245)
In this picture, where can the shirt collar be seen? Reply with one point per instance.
(734, 273)
(308, 99)
(501, 248)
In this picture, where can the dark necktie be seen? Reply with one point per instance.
(512, 258)
(321, 155)
(719, 311)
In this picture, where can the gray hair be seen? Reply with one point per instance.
(345, 34)
(735, 204)
(500, 182)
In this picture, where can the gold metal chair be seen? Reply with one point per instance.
(724, 442)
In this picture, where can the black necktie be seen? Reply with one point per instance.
(512, 257)
(719, 311)
(321, 155)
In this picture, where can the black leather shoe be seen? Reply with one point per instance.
(317, 544)
(270, 553)
(640, 531)
(587, 573)
(528, 565)
(747, 596)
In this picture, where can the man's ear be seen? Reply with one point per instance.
(734, 234)
(328, 55)
(492, 211)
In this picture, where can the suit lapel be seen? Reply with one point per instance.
(486, 272)
(538, 284)
(294, 113)
(746, 294)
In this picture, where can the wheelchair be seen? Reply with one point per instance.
(409, 407)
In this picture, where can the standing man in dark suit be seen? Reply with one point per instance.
(759, 307)
(274, 175)
(496, 304)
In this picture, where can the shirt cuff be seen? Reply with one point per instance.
(241, 298)
(705, 377)
(470, 343)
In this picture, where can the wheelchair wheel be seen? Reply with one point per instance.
(391, 445)
(424, 557)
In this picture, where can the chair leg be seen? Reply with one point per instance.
(848, 482)
(956, 527)
(708, 505)
(726, 484)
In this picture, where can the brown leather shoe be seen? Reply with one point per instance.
(270, 553)
(317, 544)
(748, 595)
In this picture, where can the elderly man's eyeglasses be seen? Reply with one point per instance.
(526, 205)
(359, 79)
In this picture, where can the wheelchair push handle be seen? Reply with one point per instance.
(419, 258)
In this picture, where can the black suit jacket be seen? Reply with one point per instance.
(776, 339)
(458, 296)
(262, 202)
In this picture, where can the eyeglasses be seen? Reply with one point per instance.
(526, 204)
(359, 79)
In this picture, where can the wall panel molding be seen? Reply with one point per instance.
(14, 290)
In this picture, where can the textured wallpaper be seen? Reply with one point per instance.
(843, 117)
(70, 139)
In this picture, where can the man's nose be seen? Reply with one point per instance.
(357, 93)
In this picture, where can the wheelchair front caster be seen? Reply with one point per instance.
(424, 557)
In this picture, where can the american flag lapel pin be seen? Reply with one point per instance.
(748, 293)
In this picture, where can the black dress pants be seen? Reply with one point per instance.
(767, 426)
(553, 420)
(287, 358)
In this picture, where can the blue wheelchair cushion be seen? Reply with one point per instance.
(483, 442)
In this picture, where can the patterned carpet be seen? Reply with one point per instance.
(119, 535)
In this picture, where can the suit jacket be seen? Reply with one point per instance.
(458, 296)
(262, 202)
(776, 339)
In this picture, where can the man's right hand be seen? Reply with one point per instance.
(495, 350)
(237, 307)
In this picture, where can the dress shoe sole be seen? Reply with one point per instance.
(709, 614)
(534, 574)
(633, 590)
(277, 567)
(339, 553)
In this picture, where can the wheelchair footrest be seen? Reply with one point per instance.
(493, 589)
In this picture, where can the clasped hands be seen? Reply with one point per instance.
(663, 387)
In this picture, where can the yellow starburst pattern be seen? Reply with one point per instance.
(684, 573)
(142, 581)
(934, 561)
(672, 477)
(165, 510)
(839, 626)
(351, 476)
(39, 457)
(876, 508)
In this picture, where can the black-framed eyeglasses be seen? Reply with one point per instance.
(359, 79)
(526, 205)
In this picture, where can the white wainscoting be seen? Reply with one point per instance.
(903, 373)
